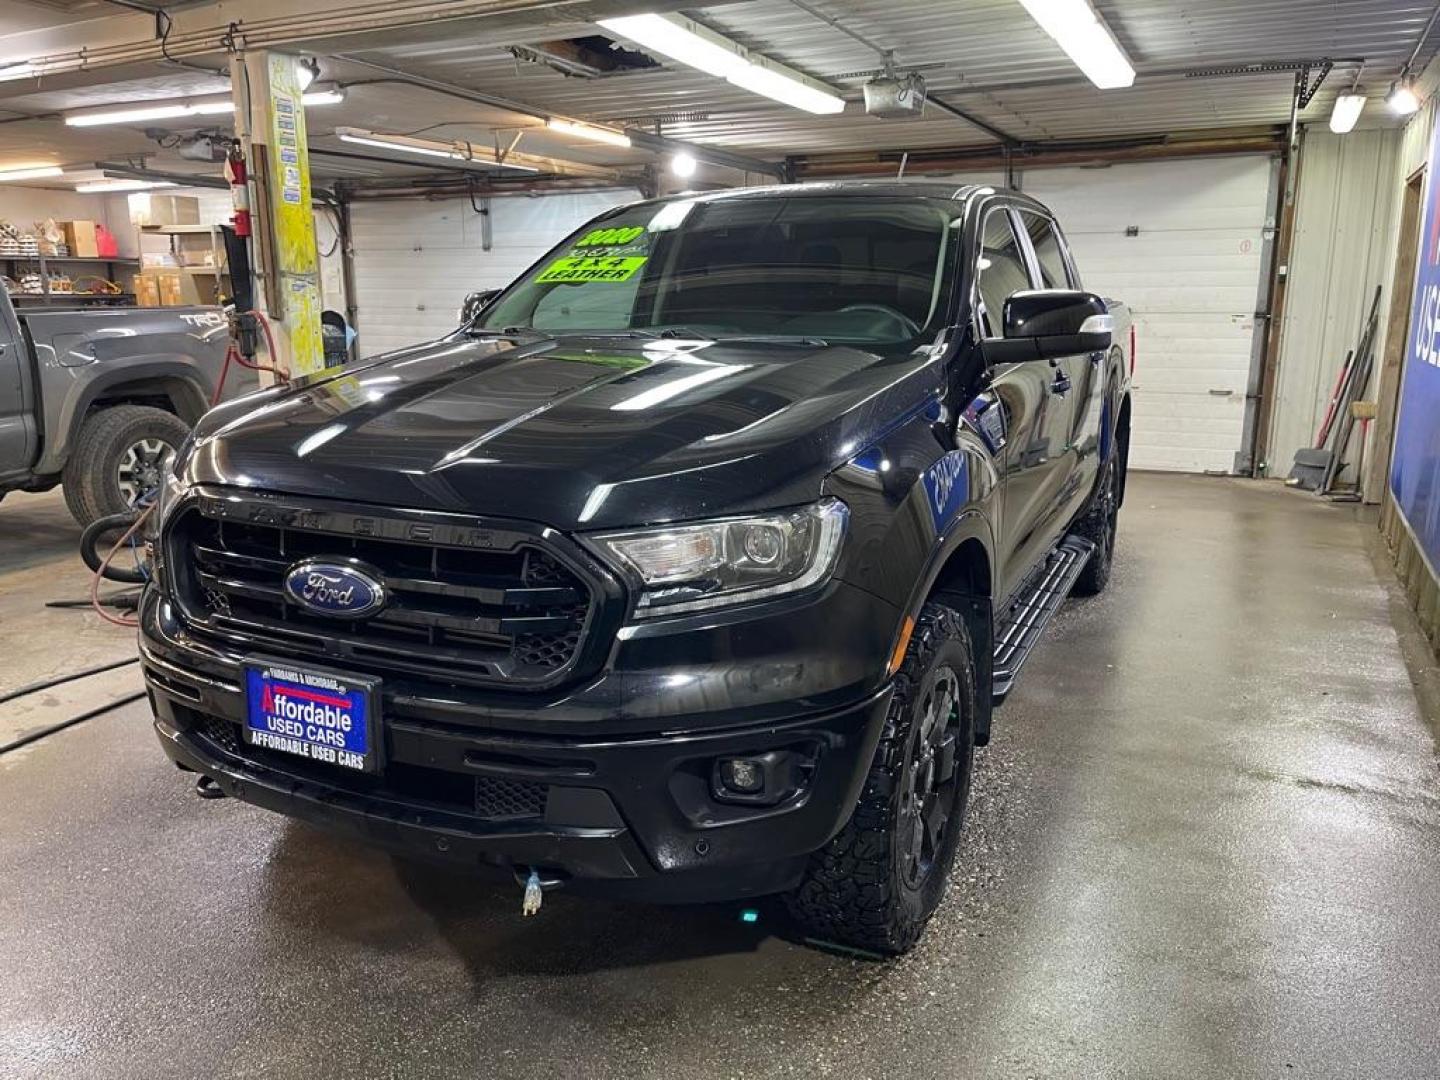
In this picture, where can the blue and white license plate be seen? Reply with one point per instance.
(323, 716)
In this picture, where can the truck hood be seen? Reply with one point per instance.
(580, 433)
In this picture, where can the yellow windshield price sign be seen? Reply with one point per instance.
(592, 268)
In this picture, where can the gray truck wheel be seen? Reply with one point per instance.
(115, 461)
(876, 884)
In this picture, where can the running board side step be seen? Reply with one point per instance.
(1018, 629)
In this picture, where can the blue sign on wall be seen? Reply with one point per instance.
(1415, 473)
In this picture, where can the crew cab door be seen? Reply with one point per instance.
(1035, 398)
(1083, 372)
(17, 423)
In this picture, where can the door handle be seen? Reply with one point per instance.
(1061, 385)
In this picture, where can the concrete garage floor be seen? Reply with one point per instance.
(1205, 843)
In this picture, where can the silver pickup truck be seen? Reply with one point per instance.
(94, 397)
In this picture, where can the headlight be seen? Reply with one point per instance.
(695, 567)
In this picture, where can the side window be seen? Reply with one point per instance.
(1001, 270)
(1046, 242)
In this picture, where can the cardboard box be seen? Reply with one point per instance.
(172, 290)
(147, 290)
(152, 211)
(166, 288)
(81, 238)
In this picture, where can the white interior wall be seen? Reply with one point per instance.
(416, 259)
(1344, 213)
(23, 207)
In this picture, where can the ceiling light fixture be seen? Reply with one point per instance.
(129, 114)
(683, 165)
(456, 151)
(31, 172)
(179, 110)
(1347, 111)
(1402, 99)
(103, 187)
(18, 69)
(593, 132)
(1078, 29)
(700, 47)
(328, 95)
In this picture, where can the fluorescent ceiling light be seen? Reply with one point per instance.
(1346, 112)
(700, 47)
(161, 110)
(457, 151)
(589, 131)
(365, 139)
(176, 110)
(767, 82)
(330, 95)
(101, 187)
(683, 40)
(1402, 99)
(127, 115)
(36, 172)
(18, 69)
(1078, 29)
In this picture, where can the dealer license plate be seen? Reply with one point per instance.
(324, 716)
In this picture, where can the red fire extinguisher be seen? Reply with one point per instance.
(239, 190)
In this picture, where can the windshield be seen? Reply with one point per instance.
(872, 272)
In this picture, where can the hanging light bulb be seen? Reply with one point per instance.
(1402, 99)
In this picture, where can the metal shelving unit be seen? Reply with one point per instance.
(209, 281)
(51, 299)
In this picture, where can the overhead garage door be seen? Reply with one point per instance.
(415, 260)
(1191, 275)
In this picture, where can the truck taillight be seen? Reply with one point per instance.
(1132, 350)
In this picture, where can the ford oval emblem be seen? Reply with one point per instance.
(333, 587)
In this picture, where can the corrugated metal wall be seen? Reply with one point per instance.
(415, 259)
(1343, 249)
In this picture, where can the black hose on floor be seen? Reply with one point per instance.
(26, 740)
(90, 540)
(59, 679)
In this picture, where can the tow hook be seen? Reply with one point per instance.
(207, 788)
(534, 888)
(534, 895)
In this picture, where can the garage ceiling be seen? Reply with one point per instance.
(985, 57)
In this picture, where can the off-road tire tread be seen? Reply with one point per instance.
(89, 494)
(851, 893)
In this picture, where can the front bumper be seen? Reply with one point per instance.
(633, 813)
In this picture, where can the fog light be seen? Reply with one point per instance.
(744, 776)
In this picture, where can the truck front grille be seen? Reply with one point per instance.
(513, 613)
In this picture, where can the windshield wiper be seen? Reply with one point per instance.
(519, 333)
(778, 339)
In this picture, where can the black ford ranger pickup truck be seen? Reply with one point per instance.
(691, 567)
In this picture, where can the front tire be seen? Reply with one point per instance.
(878, 882)
(115, 462)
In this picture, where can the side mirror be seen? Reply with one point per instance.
(1042, 324)
(475, 303)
